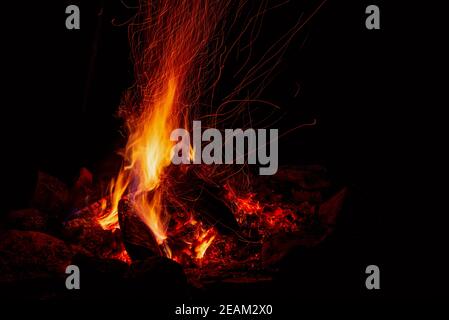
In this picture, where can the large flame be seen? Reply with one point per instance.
(148, 153)
(168, 39)
(175, 46)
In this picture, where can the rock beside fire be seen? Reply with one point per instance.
(51, 195)
(102, 278)
(82, 192)
(30, 255)
(27, 219)
(137, 237)
(322, 225)
(329, 210)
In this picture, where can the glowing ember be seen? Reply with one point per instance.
(205, 241)
(173, 54)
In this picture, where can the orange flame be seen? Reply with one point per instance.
(168, 40)
(177, 47)
(148, 153)
(205, 240)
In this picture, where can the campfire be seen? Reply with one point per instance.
(218, 222)
(196, 215)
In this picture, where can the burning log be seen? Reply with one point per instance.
(137, 237)
(329, 210)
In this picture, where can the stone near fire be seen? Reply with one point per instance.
(82, 191)
(27, 219)
(51, 195)
(281, 245)
(31, 255)
(307, 196)
(137, 237)
(87, 233)
(156, 277)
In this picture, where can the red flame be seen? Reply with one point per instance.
(169, 39)
(173, 54)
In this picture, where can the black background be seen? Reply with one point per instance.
(62, 88)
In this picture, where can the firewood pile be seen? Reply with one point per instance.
(253, 231)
